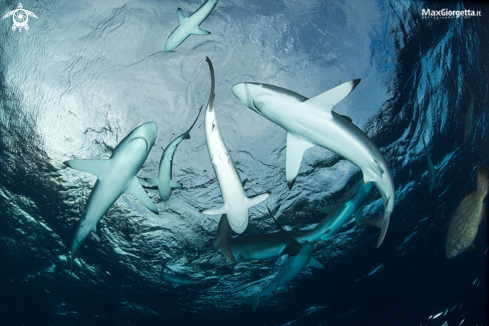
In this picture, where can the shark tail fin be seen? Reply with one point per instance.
(381, 222)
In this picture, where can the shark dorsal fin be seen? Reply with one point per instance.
(180, 16)
(296, 146)
(136, 189)
(327, 100)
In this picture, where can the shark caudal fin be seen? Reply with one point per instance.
(381, 222)
(220, 242)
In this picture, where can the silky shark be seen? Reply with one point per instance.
(310, 122)
(268, 246)
(289, 271)
(189, 25)
(164, 181)
(236, 204)
(177, 280)
(116, 176)
(431, 168)
(469, 118)
(469, 214)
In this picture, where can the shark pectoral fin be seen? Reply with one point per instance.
(136, 189)
(295, 149)
(250, 202)
(215, 211)
(152, 181)
(180, 16)
(292, 249)
(381, 222)
(325, 101)
(174, 184)
(97, 167)
(198, 31)
(359, 215)
(314, 263)
(175, 285)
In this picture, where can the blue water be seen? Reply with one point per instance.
(84, 75)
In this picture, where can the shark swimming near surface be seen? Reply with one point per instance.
(268, 246)
(164, 181)
(289, 271)
(236, 204)
(469, 118)
(469, 214)
(312, 121)
(431, 168)
(189, 25)
(116, 176)
(177, 280)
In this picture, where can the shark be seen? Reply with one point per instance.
(189, 25)
(115, 176)
(469, 214)
(311, 122)
(177, 279)
(289, 271)
(164, 181)
(469, 118)
(236, 204)
(268, 246)
(431, 168)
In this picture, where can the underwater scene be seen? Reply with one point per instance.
(259, 162)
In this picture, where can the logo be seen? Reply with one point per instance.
(20, 17)
(445, 13)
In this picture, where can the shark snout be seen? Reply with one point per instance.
(147, 132)
(246, 92)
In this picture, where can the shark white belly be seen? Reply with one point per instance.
(310, 122)
(115, 177)
(236, 204)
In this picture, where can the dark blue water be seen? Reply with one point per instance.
(75, 88)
